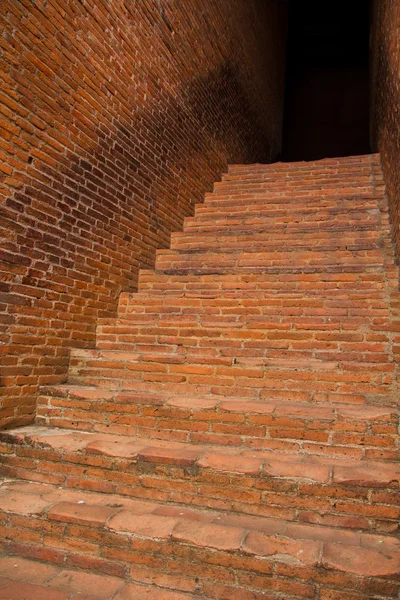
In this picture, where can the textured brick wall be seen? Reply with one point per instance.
(115, 117)
(385, 83)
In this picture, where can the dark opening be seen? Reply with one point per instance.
(327, 82)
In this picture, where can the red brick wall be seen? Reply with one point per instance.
(385, 84)
(115, 118)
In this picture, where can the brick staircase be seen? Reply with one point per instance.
(234, 435)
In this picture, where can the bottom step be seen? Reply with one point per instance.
(197, 552)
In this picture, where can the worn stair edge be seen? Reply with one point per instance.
(179, 546)
(352, 430)
(341, 493)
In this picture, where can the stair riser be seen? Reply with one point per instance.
(323, 502)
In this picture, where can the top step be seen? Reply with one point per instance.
(341, 163)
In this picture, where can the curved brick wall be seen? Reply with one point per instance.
(115, 118)
(386, 101)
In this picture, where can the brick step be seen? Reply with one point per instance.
(248, 203)
(259, 258)
(309, 184)
(358, 163)
(308, 374)
(303, 304)
(357, 239)
(338, 492)
(220, 272)
(202, 553)
(328, 188)
(295, 171)
(291, 330)
(336, 424)
(289, 220)
(297, 198)
(270, 281)
(301, 177)
(261, 193)
(332, 232)
(310, 303)
(258, 337)
(333, 314)
(351, 172)
(265, 242)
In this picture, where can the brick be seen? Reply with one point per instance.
(368, 563)
(26, 570)
(275, 468)
(183, 457)
(23, 503)
(117, 449)
(306, 553)
(16, 590)
(205, 535)
(81, 513)
(138, 592)
(382, 476)
(98, 587)
(143, 525)
(235, 464)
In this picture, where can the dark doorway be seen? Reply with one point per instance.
(327, 84)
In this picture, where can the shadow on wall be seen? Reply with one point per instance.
(80, 225)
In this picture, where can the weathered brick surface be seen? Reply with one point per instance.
(385, 87)
(311, 317)
(193, 553)
(114, 119)
(234, 434)
(278, 482)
